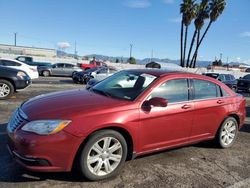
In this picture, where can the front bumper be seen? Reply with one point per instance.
(53, 153)
(22, 83)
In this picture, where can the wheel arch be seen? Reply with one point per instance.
(10, 80)
(236, 117)
(124, 132)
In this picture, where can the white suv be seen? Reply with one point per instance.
(30, 70)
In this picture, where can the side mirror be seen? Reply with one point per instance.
(157, 101)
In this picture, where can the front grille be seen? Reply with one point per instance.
(16, 120)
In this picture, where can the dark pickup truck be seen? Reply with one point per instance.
(244, 83)
(29, 60)
(11, 80)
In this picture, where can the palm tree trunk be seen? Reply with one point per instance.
(191, 47)
(197, 47)
(195, 57)
(181, 63)
(185, 46)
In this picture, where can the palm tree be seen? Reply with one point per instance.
(202, 14)
(216, 9)
(187, 9)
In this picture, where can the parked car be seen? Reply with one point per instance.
(227, 79)
(101, 73)
(29, 61)
(99, 129)
(80, 77)
(12, 80)
(247, 70)
(30, 70)
(59, 69)
(244, 83)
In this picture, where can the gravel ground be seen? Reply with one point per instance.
(200, 165)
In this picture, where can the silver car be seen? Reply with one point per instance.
(59, 69)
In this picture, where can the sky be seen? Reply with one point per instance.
(108, 27)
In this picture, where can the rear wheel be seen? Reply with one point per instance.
(227, 133)
(103, 155)
(46, 73)
(6, 89)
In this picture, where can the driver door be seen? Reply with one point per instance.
(163, 127)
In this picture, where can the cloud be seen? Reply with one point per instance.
(245, 34)
(168, 1)
(63, 45)
(175, 20)
(137, 3)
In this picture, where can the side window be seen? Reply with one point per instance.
(224, 93)
(173, 90)
(204, 89)
(10, 63)
(60, 65)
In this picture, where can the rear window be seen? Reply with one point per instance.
(204, 89)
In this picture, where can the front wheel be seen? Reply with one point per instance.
(46, 73)
(6, 89)
(103, 155)
(227, 133)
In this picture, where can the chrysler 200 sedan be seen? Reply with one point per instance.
(98, 129)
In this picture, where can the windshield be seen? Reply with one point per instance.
(124, 85)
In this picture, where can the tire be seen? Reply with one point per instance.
(46, 73)
(6, 89)
(234, 88)
(105, 162)
(227, 133)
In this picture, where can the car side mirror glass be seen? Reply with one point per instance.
(157, 102)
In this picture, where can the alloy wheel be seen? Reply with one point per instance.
(104, 156)
(228, 133)
(4, 90)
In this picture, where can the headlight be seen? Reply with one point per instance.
(20, 74)
(45, 127)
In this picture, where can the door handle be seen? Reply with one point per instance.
(186, 106)
(220, 101)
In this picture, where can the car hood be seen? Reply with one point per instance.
(67, 103)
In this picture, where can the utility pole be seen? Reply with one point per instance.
(15, 38)
(131, 47)
(75, 50)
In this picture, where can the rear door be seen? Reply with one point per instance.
(210, 102)
(68, 69)
(167, 126)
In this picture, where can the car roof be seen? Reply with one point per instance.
(158, 72)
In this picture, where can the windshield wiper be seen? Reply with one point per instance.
(102, 92)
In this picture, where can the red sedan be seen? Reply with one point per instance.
(131, 113)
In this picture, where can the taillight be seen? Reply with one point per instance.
(34, 70)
